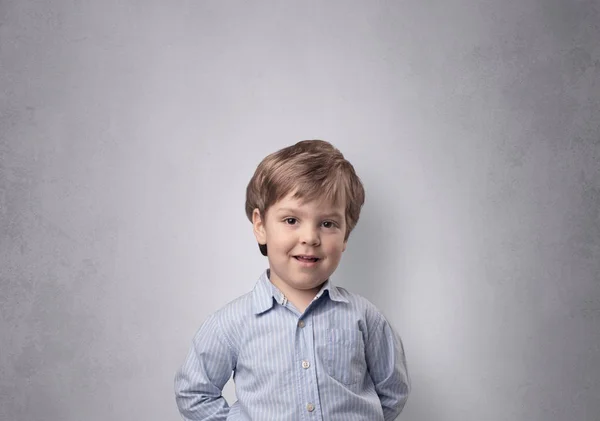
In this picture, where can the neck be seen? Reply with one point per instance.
(301, 299)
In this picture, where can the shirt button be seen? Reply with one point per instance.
(301, 323)
(305, 364)
(310, 407)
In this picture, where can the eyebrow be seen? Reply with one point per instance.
(297, 211)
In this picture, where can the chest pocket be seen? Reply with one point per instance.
(344, 358)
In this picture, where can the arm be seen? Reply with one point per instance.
(199, 382)
(387, 366)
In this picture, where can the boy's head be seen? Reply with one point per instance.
(304, 200)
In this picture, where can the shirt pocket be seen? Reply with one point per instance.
(345, 360)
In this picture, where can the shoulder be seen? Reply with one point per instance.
(234, 313)
(226, 320)
(361, 306)
(376, 328)
(358, 302)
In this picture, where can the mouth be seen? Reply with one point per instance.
(307, 258)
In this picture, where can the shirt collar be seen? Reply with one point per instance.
(264, 292)
(262, 295)
(333, 292)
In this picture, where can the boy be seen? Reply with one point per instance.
(299, 347)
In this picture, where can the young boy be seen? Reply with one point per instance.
(299, 347)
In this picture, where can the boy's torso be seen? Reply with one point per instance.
(292, 366)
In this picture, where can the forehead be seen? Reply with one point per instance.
(318, 205)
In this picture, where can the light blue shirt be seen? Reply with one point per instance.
(339, 360)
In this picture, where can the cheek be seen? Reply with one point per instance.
(337, 246)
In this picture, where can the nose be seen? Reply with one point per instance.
(309, 235)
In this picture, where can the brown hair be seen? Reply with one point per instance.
(314, 169)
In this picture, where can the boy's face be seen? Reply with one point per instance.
(296, 234)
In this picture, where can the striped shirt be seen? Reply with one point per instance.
(339, 360)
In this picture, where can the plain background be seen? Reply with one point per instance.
(128, 133)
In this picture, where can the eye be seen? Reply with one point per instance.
(290, 221)
(329, 224)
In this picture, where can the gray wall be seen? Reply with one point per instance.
(128, 132)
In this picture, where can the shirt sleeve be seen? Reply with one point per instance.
(386, 363)
(200, 381)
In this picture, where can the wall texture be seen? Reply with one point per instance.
(128, 132)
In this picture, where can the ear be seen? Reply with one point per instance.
(258, 225)
(344, 247)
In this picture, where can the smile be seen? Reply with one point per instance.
(307, 259)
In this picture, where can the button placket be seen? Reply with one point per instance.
(308, 375)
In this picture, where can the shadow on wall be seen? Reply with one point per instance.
(374, 266)
(373, 263)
